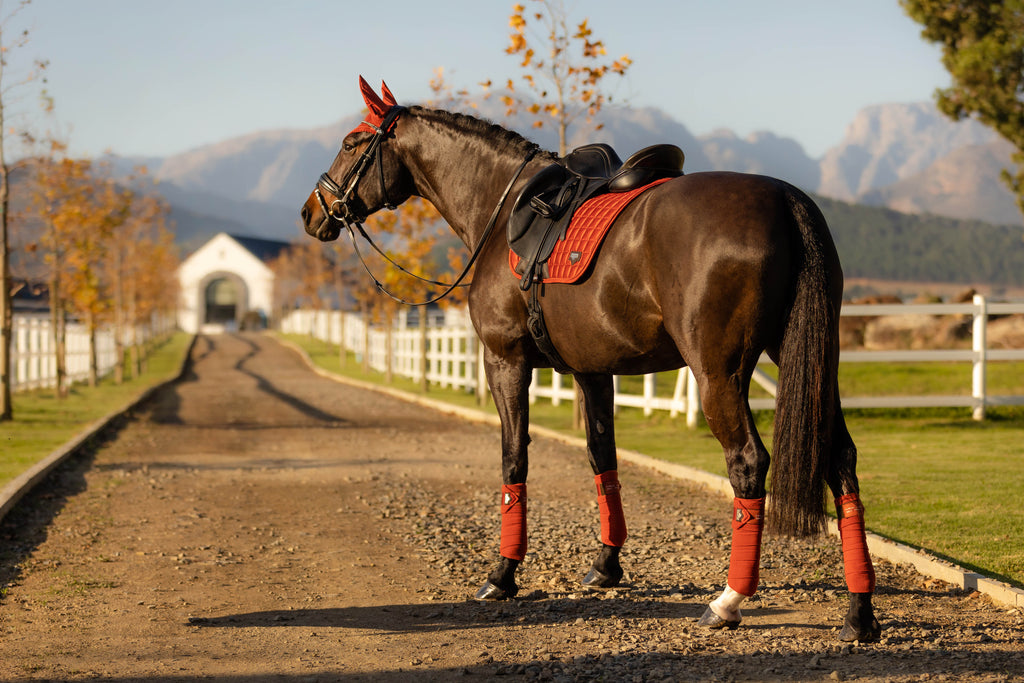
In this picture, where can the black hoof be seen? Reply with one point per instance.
(850, 633)
(598, 580)
(490, 591)
(711, 620)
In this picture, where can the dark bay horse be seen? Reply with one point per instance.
(706, 270)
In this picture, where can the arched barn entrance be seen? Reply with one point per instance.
(223, 301)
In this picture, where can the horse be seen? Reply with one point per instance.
(706, 270)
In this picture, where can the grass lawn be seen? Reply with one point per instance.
(42, 423)
(930, 478)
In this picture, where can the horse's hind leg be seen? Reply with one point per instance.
(598, 397)
(860, 623)
(509, 379)
(723, 396)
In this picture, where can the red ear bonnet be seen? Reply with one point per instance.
(378, 108)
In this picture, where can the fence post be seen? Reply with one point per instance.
(649, 389)
(979, 344)
(481, 373)
(692, 399)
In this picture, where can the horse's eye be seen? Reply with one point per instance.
(347, 146)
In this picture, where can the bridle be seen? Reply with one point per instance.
(340, 210)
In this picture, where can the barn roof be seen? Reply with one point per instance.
(263, 249)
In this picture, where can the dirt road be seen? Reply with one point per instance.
(258, 522)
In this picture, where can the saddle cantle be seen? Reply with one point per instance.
(544, 208)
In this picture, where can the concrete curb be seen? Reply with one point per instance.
(898, 553)
(16, 489)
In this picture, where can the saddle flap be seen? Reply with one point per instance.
(544, 185)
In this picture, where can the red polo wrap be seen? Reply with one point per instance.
(513, 521)
(609, 501)
(745, 557)
(860, 573)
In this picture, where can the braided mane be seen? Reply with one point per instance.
(506, 140)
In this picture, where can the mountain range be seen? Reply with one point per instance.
(906, 157)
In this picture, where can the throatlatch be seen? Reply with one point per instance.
(860, 573)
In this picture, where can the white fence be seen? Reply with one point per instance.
(34, 363)
(454, 360)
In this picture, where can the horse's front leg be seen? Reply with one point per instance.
(598, 403)
(509, 379)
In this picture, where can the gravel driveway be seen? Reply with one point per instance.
(257, 522)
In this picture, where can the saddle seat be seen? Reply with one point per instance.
(544, 208)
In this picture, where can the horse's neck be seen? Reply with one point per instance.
(463, 178)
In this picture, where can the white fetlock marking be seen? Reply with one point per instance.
(727, 605)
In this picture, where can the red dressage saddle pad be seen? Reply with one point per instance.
(572, 255)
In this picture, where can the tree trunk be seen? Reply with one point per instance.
(366, 337)
(6, 307)
(424, 384)
(58, 323)
(389, 331)
(94, 372)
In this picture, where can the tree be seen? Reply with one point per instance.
(983, 50)
(60, 192)
(6, 307)
(569, 82)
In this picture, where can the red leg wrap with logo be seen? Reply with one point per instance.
(745, 558)
(860, 573)
(513, 521)
(609, 501)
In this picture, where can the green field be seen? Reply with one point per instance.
(930, 478)
(42, 423)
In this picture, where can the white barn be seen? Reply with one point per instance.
(226, 280)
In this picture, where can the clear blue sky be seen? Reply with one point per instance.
(148, 77)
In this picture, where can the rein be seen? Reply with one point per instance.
(345, 217)
(472, 259)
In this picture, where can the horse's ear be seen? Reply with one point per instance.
(389, 99)
(373, 102)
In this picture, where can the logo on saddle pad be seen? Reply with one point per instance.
(573, 253)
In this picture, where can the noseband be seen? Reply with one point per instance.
(340, 208)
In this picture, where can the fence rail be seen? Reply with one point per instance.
(453, 359)
(34, 362)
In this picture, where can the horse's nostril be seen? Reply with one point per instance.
(305, 214)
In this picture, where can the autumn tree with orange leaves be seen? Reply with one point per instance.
(109, 257)
(61, 191)
(564, 67)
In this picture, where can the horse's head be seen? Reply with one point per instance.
(343, 195)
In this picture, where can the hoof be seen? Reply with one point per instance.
(598, 580)
(711, 620)
(489, 591)
(851, 633)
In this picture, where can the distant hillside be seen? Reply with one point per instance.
(883, 244)
(903, 156)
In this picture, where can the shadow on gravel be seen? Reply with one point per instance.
(267, 387)
(449, 616)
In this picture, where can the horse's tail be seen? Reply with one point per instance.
(807, 389)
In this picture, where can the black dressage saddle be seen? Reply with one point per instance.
(542, 211)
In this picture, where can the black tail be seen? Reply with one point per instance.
(808, 366)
